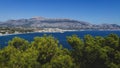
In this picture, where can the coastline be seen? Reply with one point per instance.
(53, 32)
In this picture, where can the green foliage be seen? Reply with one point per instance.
(78, 46)
(47, 47)
(19, 43)
(5, 55)
(100, 41)
(112, 40)
(62, 61)
(89, 40)
(96, 52)
(45, 52)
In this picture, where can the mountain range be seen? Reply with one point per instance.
(40, 22)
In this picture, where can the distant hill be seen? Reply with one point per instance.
(40, 22)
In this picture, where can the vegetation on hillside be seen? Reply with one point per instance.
(45, 52)
(12, 30)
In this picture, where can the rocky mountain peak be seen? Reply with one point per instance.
(37, 18)
(41, 22)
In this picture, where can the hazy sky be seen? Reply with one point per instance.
(93, 11)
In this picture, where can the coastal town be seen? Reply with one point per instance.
(9, 31)
(21, 30)
(12, 30)
(41, 24)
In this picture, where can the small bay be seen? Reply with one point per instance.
(60, 36)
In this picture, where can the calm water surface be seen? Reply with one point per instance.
(60, 36)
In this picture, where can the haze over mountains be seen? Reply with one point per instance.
(40, 22)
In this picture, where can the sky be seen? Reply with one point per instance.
(92, 11)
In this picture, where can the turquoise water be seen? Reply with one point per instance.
(60, 36)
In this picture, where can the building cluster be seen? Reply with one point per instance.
(50, 30)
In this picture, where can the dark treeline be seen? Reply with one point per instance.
(45, 52)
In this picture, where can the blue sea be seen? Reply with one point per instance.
(60, 36)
